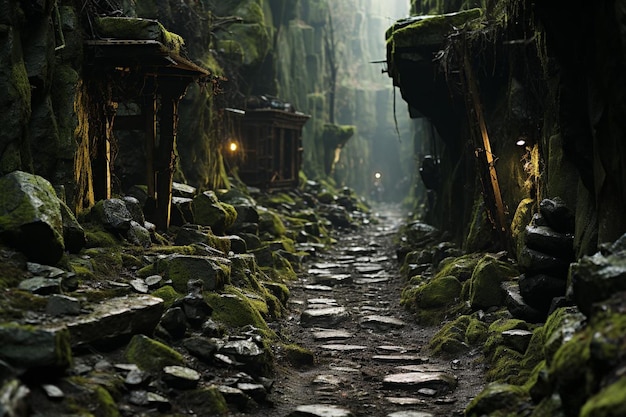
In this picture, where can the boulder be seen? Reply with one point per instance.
(151, 355)
(30, 217)
(208, 211)
(535, 262)
(113, 214)
(595, 278)
(485, 289)
(557, 215)
(180, 269)
(546, 240)
(30, 347)
(538, 290)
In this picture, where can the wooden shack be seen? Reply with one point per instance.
(271, 142)
(144, 63)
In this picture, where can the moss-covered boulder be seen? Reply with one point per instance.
(209, 211)
(151, 355)
(497, 400)
(439, 292)
(458, 335)
(29, 347)
(560, 327)
(205, 401)
(298, 356)
(461, 267)
(213, 271)
(270, 223)
(30, 217)
(234, 309)
(609, 402)
(485, 289)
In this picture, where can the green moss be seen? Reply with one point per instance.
(168, 294)
(131, 261)
(207, 401)
(221, 243)
(485, 290)
(461, 267)
(105, 262)
(505, 365)
(534, 352)
(279, 290)
(298, 356)
(438, 293)
(477, 332)
(151, 355)
(450, 339)
(99, 238)
(234, 309)
(271, 223)
(139, 29)
(609, 402)
(497, 400)
(93, 397)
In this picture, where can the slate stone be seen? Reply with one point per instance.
(53, 392)
(331, 280)
(381, 323)
(320, 410)
(325, 302)
(370, 281)
(237, 397)
(442, 382)
(113, 215)
(60, 305)
(16, 398)
(139, 285)
(175, 322)
(368, 268)
(256, 391)
(518, 307)
(180, 377)
(326, 379)
(343, 347)
(112, 319)
(154, 281)
(325, 317)
(557, 215)
(400, 359)
(546, 240)
(29, 347)
(405, 401)
(539, 290)
(535, 262)
(138, 235)
(322, 288)
(41, 286)
(324, 335)
(517, 339)
(136, 378)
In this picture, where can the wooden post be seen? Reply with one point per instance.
(149, 110)
(101, 164)
(501, 219)
(170, 91)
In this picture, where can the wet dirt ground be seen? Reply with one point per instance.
(371, 357)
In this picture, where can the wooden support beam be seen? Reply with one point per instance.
(493, 177)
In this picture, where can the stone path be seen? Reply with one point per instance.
(369, 353)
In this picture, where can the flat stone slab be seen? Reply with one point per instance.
(327, 379)
(400, 359)
(410, 414)
(380, 323)
(324, 335)
(368, 268)
(343, 348)
(425, 367)
(320, 410)
(323, 317)
(517, 339)
(332, 279)
(328, 302)
(324, 288)
(405, 401)
(327, 265)
(368, 281)
(440, 381)
(392, 349)
(113, 318)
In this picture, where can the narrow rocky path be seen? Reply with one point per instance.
(370, 355)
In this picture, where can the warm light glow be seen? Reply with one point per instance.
(232, 146)
(520, 142)
(378, 175)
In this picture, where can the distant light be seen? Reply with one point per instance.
(520, 142)
(233, 146)
(378, 175)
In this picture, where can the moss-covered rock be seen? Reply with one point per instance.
(209, 211)
(234, 309)
(450, 339)
(440, 292)
(609, 402)
(270, 223)
(485, 290)
(213, 271)
(205, 401)
(151, 355)
(560, 327)
(167, 293)
(461, 267)
(30, 347)
(298, 356)
(30, 217)
(138, 29)
(92, 396)
(497, 400)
